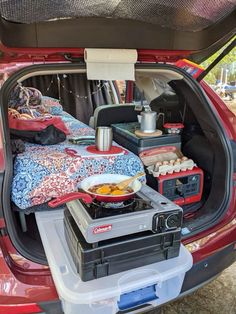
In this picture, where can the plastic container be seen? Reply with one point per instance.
(151, 285)
(173, 128)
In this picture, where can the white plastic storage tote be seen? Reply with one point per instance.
(153, 285)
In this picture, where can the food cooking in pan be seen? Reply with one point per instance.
(109, 189)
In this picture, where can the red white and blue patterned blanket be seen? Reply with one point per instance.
(45, 172)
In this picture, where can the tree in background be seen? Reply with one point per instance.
(227, 63)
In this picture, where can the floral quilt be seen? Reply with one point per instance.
(44, 172)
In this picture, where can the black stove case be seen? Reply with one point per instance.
(120, 254)
(123, 134)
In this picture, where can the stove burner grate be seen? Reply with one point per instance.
(98, 209)
(114, 205)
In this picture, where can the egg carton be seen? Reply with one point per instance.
(171, 166)
(160, 154)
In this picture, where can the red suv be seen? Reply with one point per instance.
(51, 34)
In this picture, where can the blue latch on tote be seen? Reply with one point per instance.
(138, 297)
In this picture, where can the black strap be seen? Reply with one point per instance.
(217, 60)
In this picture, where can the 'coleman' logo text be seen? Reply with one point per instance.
(101, 229)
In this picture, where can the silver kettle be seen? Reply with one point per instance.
(148, 121)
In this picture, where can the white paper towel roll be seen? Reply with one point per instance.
(110, 64)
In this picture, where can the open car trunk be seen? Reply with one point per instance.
(54, 31)
(39, 30)
(203, 140)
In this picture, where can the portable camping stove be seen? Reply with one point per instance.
(148, 211)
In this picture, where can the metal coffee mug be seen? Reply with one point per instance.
(103, 138)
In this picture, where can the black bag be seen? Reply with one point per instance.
(17, 146)
(49, 136)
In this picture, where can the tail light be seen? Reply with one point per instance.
(29, 308)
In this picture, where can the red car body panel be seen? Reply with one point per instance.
(227, 117)
(57, 54)
(24, 282)
(21, 280)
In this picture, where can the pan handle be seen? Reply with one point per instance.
(70, 197)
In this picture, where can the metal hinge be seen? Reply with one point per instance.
(69, 57)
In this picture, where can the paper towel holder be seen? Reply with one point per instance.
(110, 64)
